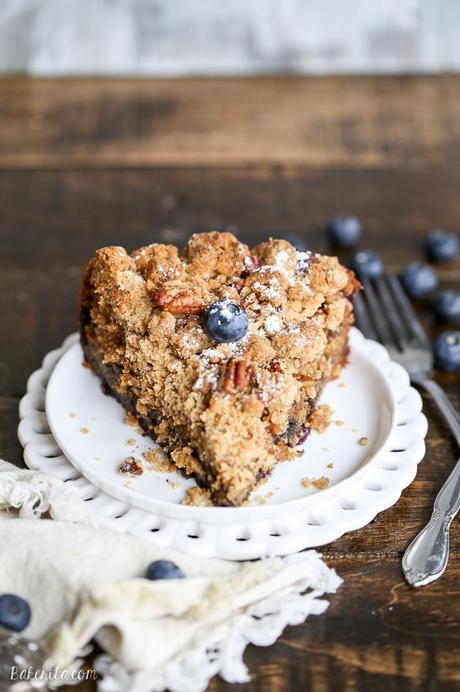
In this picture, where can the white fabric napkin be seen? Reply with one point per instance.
(84, 581)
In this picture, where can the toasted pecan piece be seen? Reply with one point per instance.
(131, 467)
(238, 376)
(179, 299)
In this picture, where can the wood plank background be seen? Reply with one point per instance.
(84, 163)
(322, 122)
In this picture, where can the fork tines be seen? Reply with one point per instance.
(384, 313)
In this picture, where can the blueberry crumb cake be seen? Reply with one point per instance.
(220, 353)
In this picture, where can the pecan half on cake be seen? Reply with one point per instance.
(220, 353)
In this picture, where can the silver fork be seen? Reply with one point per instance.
(384, 313)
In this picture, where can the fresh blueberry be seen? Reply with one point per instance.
(225, 321)
(447, 351)
(367, 264)
(442, 246)
(297, 241)
(446, 306)
(15, 612)
(163, 569)
(344, 231)
(418, 279)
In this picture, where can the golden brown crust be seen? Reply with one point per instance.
(223, 412)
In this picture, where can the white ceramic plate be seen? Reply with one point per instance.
(372, 399)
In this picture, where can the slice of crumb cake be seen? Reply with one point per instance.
(220, 353)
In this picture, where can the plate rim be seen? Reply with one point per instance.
(250, 538)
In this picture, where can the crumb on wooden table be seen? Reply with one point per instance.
(363, 441)
(131, 467)
(321, 418)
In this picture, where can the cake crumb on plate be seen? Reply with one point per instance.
(173, 484)
(319, 483)
(263, 499)
(131, 467)
(363, 441)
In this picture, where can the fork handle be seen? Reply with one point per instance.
(451, 416)
(426, 557)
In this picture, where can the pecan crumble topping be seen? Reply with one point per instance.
(224, 412)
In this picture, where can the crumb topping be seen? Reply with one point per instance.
(220, 410)
(196, 497)
(321, 418)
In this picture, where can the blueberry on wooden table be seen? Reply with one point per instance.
(15, 612)
(163, 569)
(442, 246)
(225, 321)
(447, 351)
(418, 279)
(344, 231)
(367, 265)
(446, 306)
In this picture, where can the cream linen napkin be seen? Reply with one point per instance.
(84, 581)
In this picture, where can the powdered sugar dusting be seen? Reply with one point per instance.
(271, 388)
(208, 371)
(225, 310)
(303, 259)
(212, 355)
(273, 324)
(270, 291)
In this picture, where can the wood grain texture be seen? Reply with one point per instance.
(356, 121)
(104, 165)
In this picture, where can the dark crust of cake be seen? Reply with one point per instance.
(140, 324)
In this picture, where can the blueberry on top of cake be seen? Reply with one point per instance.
(222, 352)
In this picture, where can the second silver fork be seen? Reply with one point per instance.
(384, 313)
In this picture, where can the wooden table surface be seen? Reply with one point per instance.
(91, 162)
